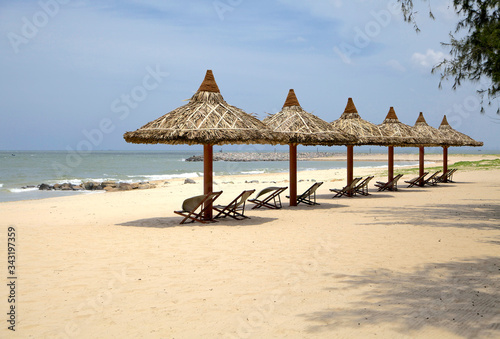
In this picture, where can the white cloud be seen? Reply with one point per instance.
(429, 59)
(396, 65)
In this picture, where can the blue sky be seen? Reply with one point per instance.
(77, 74)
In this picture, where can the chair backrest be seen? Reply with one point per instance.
(365, 181)
(267, 190)
(396, 178)
(240, 200)
(311, 190)
(435, 173)
(354, 183)
(193, 203)
(314, 187)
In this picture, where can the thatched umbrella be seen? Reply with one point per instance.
(433, 135)
(208, 120)
(454, 138)
(367, 133)
(300, 127)
(401, 135)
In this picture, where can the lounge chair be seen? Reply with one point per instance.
(446, 176)
(431, 181)
(269, 197)
(390, 185)
(362, 187)
(347, 190)
(416, 181)
(306, 196)
(202, 203)
(236, 209)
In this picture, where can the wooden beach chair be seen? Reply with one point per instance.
(390, 185)
(269, 197)
(431, 181)
(306, 196)
(446, 176)
(362, 187)
(416, 181)
(236, 209)
(194, 208)
(348, 190)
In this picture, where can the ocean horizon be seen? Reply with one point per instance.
(22, 171)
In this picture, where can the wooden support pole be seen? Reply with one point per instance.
(350, 164)
(293, 175)
(445, 160)
(421, 166)
(207, 176)
(390, 163)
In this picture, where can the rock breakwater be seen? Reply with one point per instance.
(269, 156)
(108, 186)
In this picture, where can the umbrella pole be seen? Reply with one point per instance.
(350, 165)
(390, 166)
(445, 160)
(293, 174)
(207, 177)
(421, 164)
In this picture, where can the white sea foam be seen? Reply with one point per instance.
(1, 185)
(23, 190)
(172, 176)
(253, 172)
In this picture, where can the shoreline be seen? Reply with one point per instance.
(336, 174)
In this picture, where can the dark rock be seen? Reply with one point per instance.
(45, 187)
(189, 181)
(134, 185)
(125, 186)
(195, 158)
(111, 189)
(77, 187)
(88, 185)
(109, 184)
(66, 187)
(252, 182)
(98, 187)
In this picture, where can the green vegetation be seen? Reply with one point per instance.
(460, 165)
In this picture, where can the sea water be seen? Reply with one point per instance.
(21, 169)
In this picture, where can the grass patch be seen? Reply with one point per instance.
(460, 165)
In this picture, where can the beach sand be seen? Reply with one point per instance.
(417, 263)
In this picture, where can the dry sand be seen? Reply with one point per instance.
(418, 263)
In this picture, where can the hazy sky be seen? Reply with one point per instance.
(75, 75)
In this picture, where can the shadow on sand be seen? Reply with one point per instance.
(175, 222)
(459, 297)
(482, 216)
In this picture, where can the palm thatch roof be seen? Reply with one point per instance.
(367, 133)
(428, 132)
(402, 135)
(455, 138)
(206, 119)
(297, 126)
